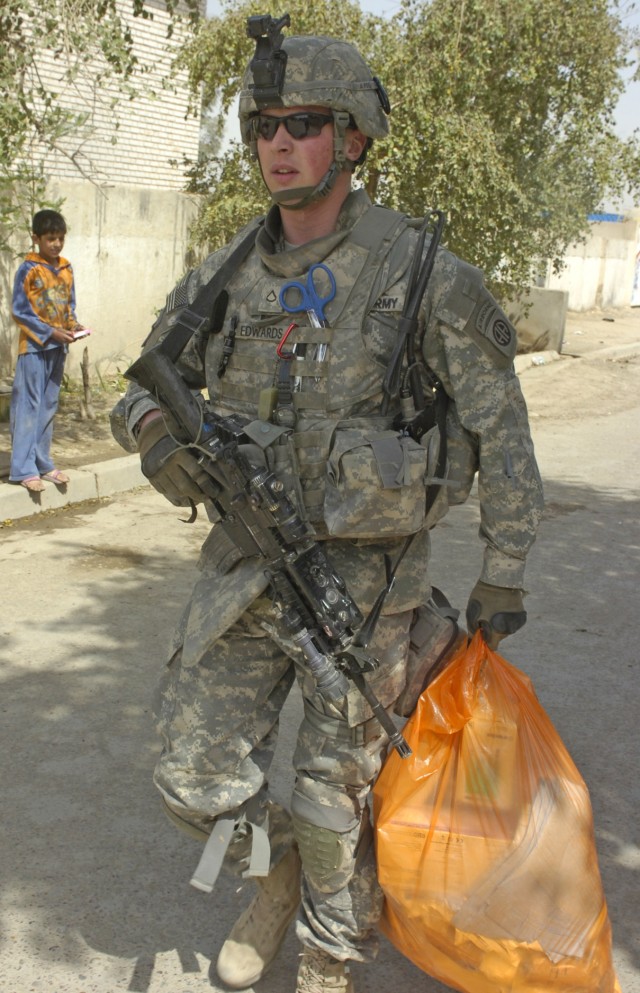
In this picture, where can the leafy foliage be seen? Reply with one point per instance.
(89, 40)
(502, 115)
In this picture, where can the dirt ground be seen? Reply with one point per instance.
(588, 377)
(570, 389)
(575, 385)
(76, 441)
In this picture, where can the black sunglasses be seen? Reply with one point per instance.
(304, 124)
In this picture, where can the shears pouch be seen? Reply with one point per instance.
(376, 483)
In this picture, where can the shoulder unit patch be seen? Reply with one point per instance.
(491, 322)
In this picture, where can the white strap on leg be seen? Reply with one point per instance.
(208, 868)
(260, 852)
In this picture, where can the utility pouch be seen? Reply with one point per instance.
(376, 484)
(434, 638)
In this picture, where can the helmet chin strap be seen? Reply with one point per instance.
(305, 195)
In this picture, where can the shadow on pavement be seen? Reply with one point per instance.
(95, 888)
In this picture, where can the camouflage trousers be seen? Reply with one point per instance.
(218, 718)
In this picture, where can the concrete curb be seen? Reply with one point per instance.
(523, 362)
(90, 482)
(530, 360)
(105, 479)
(614, 351)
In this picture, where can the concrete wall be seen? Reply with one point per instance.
(128, 247)
(540, 316)
(600, 272)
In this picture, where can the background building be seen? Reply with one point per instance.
(120, 177)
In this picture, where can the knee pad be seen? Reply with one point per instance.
(330, 840)
(326, 855)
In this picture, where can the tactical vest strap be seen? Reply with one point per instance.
(205, 314)
(376, 227)
(376, 231)
(207, 297)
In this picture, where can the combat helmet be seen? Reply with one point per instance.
(303, 70)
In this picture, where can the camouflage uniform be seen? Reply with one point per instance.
(233, 662)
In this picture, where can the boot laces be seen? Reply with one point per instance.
(320, 973)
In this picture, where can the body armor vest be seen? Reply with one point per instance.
(333, 376)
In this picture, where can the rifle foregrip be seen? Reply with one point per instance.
(155, 372)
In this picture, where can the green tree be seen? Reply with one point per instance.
(502, 115)
(511, 102)
(93, 51)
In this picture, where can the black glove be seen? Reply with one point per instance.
(173, 471)
(498, 611)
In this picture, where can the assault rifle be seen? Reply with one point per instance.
(261, 520)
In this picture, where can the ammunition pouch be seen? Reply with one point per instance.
(377, 481)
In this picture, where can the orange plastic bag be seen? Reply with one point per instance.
(485, 843)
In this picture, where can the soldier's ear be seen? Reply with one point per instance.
(355, 143)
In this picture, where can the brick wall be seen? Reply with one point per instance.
(134, 142)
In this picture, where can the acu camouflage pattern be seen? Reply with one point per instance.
(233, 663)
(465, 338)
(218, 715)
(328, 73)
(355, 477)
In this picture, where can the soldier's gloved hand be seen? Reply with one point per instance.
(498, 611)
(173, 471)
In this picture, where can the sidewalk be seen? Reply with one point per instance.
(90, 482)
(591, 336)
(594, 334)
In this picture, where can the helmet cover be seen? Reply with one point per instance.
(325, 72)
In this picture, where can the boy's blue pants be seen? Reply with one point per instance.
(34, 401)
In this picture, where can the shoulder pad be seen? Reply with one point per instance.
(468, 306)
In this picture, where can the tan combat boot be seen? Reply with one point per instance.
(258, 933)
(319, 973)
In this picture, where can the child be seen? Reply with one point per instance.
(44, 309)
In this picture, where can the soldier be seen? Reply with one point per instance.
(309, 110)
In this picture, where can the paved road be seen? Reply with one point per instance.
(95, 895)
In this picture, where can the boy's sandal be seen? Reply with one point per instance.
(32, 483)
(55, 476)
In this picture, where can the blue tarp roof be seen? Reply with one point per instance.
(606, 217)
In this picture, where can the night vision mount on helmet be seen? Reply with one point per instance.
(311, 71)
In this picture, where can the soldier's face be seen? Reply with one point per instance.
(288, 163)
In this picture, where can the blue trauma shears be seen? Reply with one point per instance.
(307, 297)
